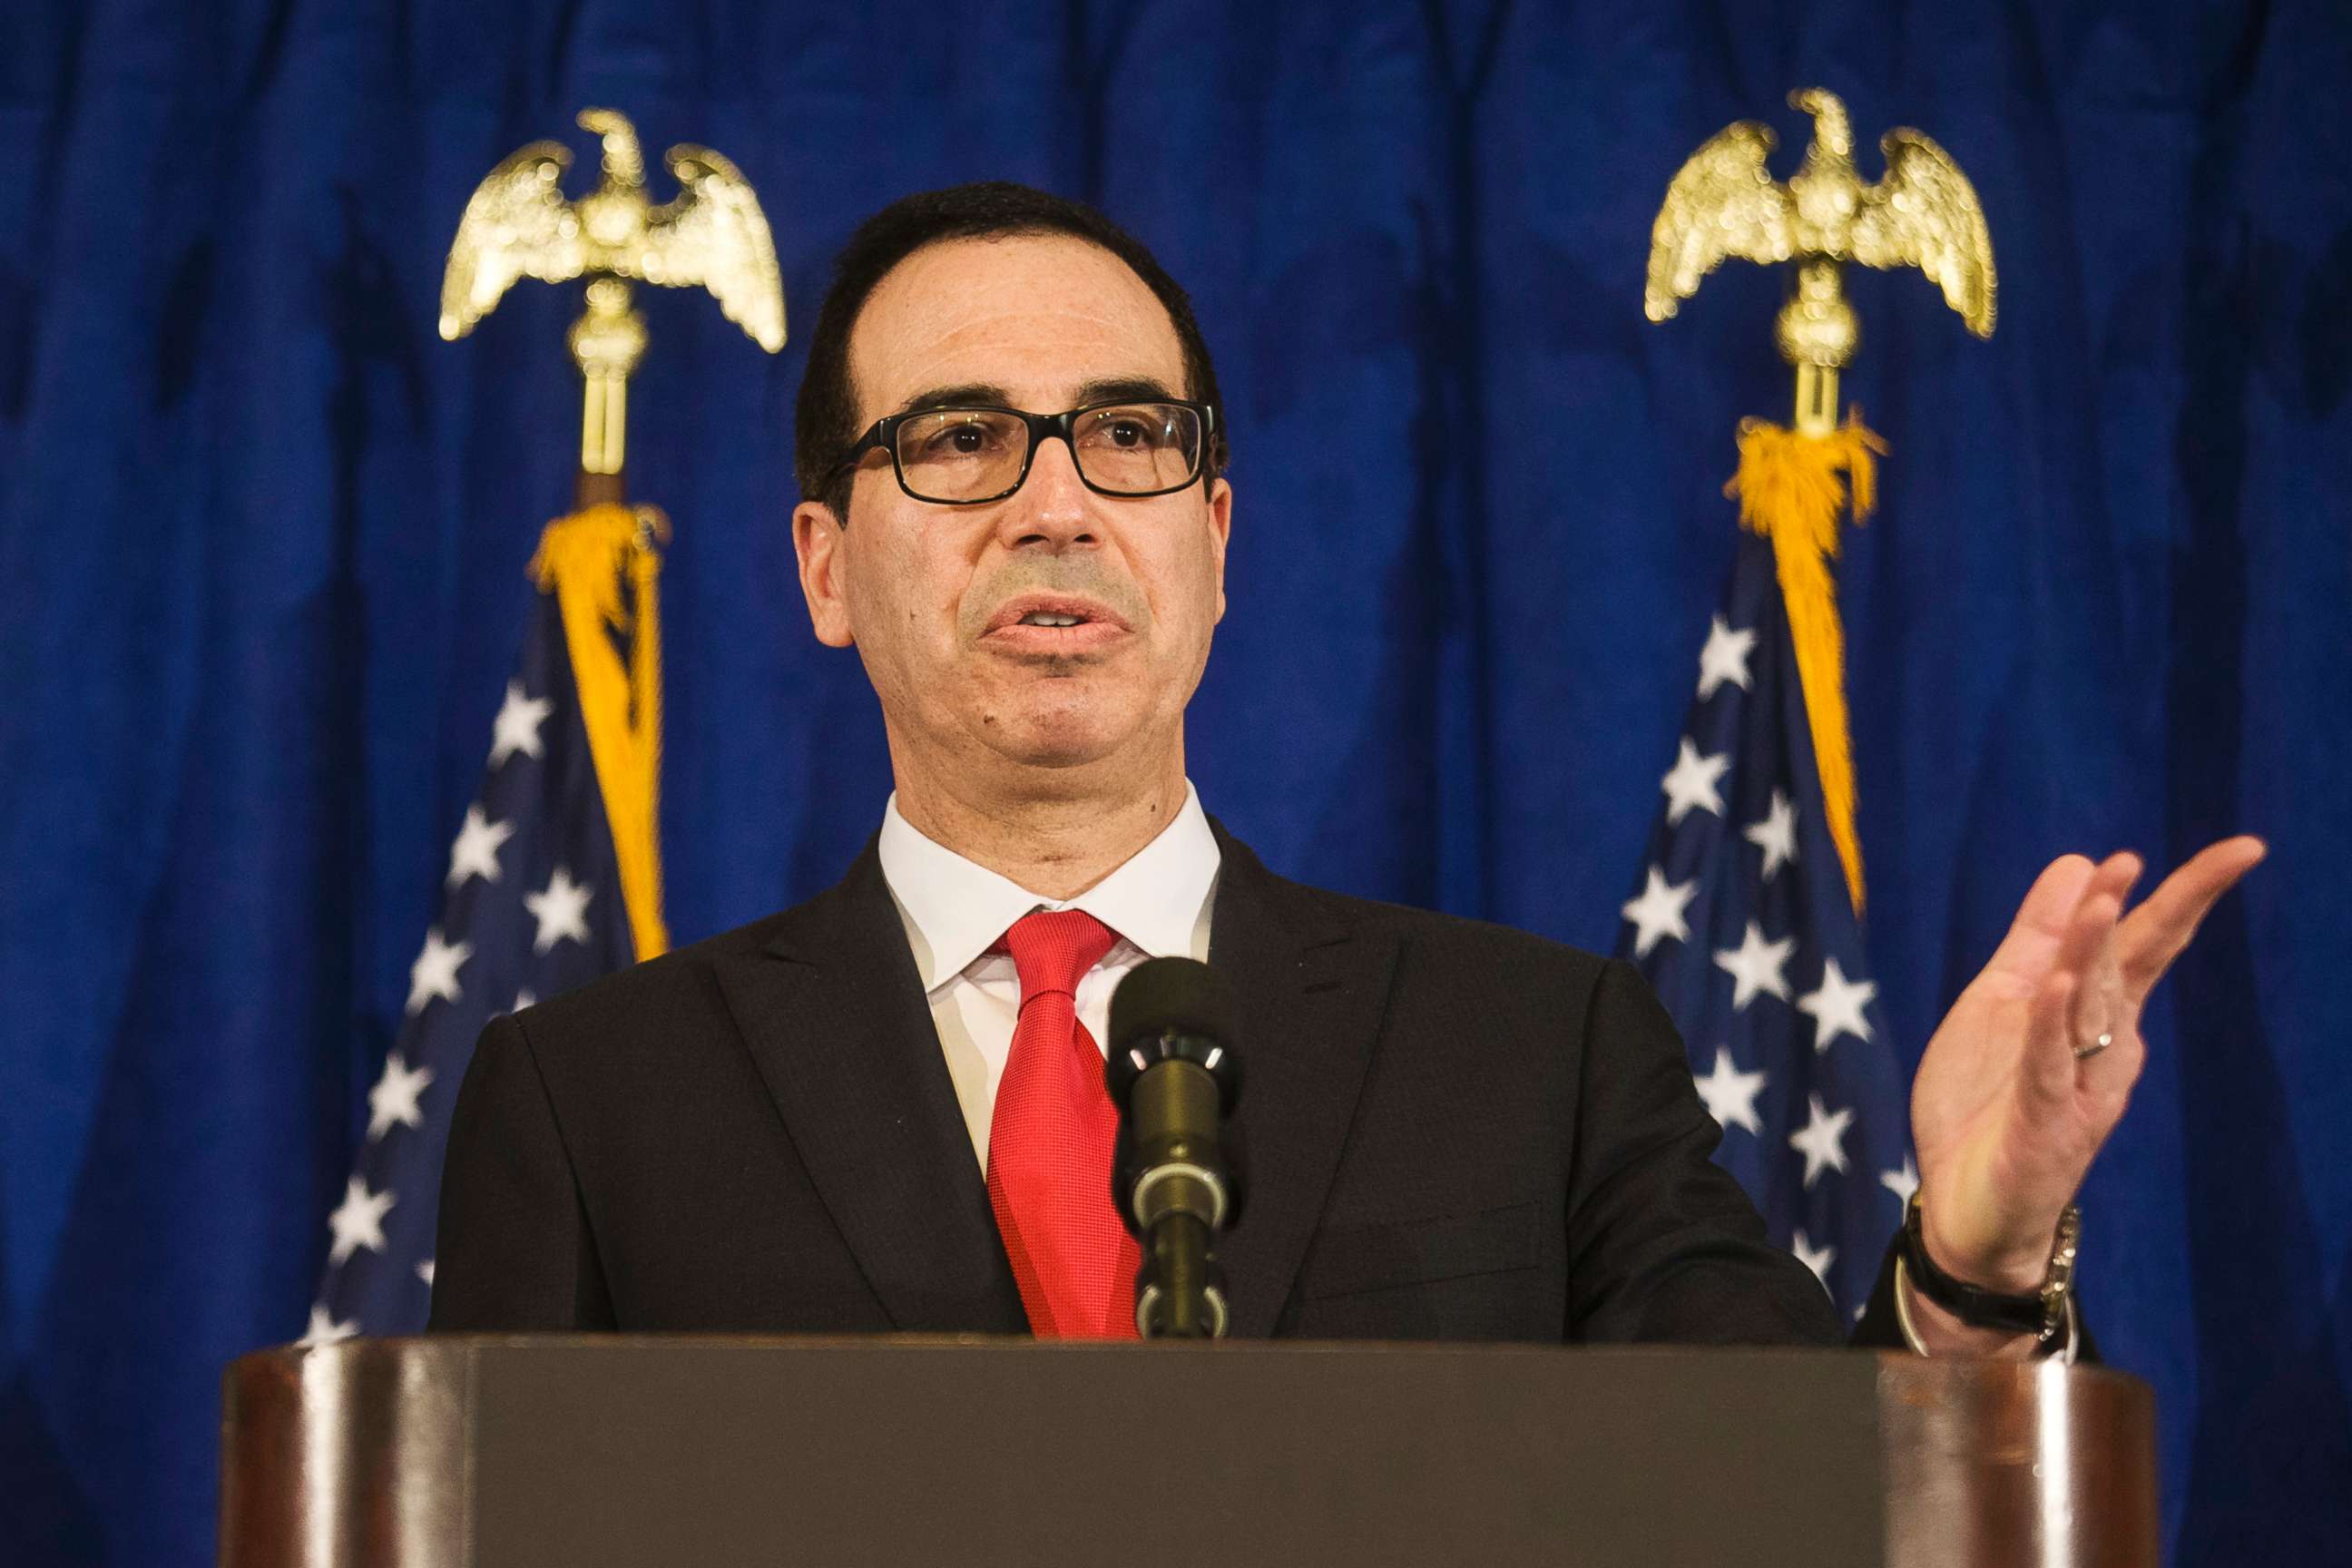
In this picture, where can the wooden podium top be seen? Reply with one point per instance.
(459, 1451)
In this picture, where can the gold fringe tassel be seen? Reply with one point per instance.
(1789, 492)
(586, 561)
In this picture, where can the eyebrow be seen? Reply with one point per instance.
(949, 396)
(1124, 389)
(1107, 389)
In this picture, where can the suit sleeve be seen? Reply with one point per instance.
(514, 1253)
(1664, 1243)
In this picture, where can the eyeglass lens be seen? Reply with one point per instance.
(970, 454)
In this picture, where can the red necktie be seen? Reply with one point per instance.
(1049, 1143)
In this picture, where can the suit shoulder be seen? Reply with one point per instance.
(659, 990)
(1433, 936)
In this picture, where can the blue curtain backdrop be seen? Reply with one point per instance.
(264, 540)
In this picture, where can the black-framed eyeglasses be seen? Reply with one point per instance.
(973, 453)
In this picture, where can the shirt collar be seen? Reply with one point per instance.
(954, 909)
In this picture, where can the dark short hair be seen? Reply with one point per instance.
(825, 420)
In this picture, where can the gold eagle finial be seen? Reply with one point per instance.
(712, 233)
(519, 225)
(1724, 203)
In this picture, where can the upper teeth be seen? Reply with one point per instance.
(1048, 618)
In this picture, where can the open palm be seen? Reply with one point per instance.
(2005, 1115)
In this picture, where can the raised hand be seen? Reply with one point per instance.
(2031, 1068)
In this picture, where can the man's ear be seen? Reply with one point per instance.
(1221, 527)
(820, 540)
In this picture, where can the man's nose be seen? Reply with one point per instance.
(1051, 508)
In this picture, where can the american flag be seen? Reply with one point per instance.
(1743, 924)
(530, 906)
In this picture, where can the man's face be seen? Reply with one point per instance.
(932, 595)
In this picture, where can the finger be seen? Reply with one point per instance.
(2101, 1003)
(2103, 1007)
(2085, 954)
(2107, 1024)
(2041, 924)
(2049, 1074)
(2155, 934)
(2118, 874)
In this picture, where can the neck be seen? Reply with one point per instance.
(1057, 844)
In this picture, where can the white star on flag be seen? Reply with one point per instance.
(425, 1272)
(561, 907)
(1691, 782)
(515, 729)
(1837, 1007)
(1902, 1183)
(1730, 1094)
(1817, 1258)
(476, 852)
(1776, 835)
(1725, 657)
(324, 1331)
(1658, 912)
(1822, 1140)
(392, 1101)
(359, 1221)
(1756, 965)
(435, 972)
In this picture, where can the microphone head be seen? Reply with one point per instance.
(1173, 1009)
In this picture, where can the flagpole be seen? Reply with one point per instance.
(606, 342)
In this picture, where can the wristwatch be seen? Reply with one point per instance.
(2047, 1314)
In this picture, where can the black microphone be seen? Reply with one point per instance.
(1174, 1078)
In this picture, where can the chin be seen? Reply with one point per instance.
(1064, 730)
(1057, 746)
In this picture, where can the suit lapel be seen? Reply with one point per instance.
(1312, 989)
(833, 1013)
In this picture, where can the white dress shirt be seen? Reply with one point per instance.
(1158, 904)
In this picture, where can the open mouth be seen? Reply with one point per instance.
(1054, 622)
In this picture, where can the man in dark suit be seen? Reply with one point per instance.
(884, 1108)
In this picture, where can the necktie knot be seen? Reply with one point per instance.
(1052, 949)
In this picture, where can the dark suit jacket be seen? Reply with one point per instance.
(1455, 1130)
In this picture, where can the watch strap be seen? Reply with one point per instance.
(2041, 1313)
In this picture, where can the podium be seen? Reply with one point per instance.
(597, 1452)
